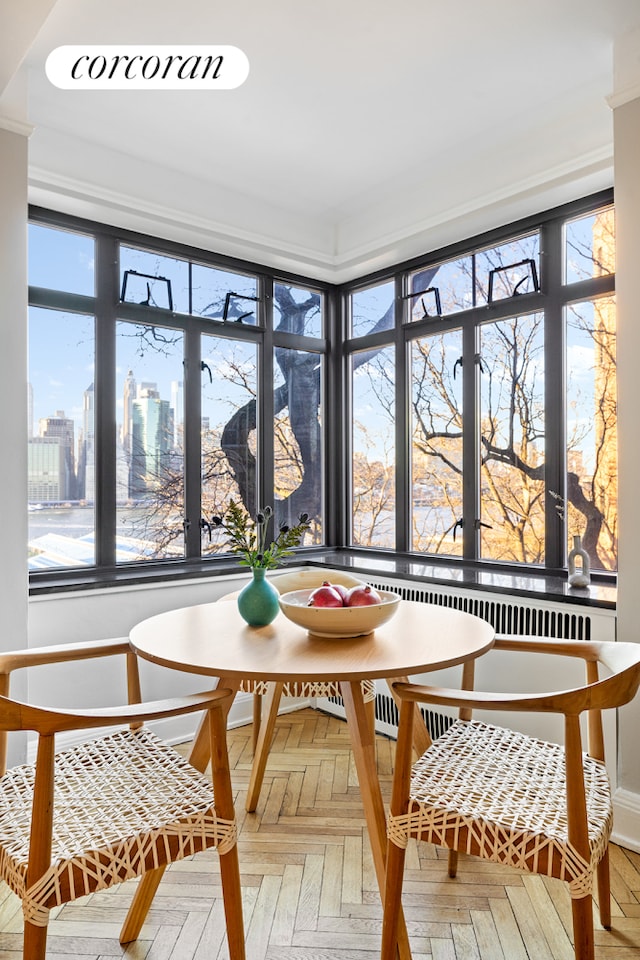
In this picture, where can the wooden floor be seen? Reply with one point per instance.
(309, 887)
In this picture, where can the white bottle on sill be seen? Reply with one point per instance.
(579, 565)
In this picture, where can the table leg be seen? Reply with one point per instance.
(263, 743)
(364, 753)
(199, 757)
(200, 753)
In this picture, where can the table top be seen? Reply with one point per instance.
(213, 639)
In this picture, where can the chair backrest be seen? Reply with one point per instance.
(621, 660)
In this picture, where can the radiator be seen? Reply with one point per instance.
(507, 615)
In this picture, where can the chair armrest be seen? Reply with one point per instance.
(62, 653)
(23, 716)
(565, 701)
(580, 649)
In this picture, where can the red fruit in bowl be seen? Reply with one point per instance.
(362, 596)
(339, 589)
(324, 596)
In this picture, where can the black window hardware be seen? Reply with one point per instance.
(516, 292)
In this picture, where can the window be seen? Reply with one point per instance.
(508, 387)
(150, 508)
(436, 444)
(592, 456)
(460, 407)
(147, 384)
(373, 448)
(61, 439)
(373, 309)
(512, 435)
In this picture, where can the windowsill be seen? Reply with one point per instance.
(535, 584)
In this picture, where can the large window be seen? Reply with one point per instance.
(460, 407)
(504, 356)
(148, 372)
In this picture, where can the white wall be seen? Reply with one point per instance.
(627, 199)
(99, 614)
(13, 389)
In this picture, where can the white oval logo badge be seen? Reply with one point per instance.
(147, 67)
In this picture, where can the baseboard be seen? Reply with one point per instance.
(626, 819)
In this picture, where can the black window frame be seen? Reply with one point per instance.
(108, 310)
(337, 345)
(552, 297)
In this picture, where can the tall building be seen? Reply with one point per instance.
(605, 479)
(177, 405)
(62, 428)
(127, 416)
(86, 455)
(47, 478)
(151, 441)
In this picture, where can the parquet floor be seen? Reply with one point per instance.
(309, 887)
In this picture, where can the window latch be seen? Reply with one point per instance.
(205, 366)
(480, 523)
(458, 523)
(457, 364)
(478, 359)
(205, 525)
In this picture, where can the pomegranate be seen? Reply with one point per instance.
(339, 589)
(325, 596)
(362, 596)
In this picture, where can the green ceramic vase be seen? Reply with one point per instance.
(258, 600)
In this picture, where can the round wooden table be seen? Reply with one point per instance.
(212, 639)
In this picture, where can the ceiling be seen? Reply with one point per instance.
(366, 132)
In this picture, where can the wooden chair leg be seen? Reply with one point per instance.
(35, 942)
(604, 891)
(257, 717)
(139, 908)
(392, 901)
(583, 939)
(263, 745)
(229, 866)
(452, 867)
(230, 877)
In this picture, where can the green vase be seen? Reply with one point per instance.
(258, 600)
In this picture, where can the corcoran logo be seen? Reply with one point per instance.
(148, 67)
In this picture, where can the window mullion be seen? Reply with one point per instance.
(555, 393)
(265, 413)
(107, 289)
(403, 495)
(192, 440)
(471, 452)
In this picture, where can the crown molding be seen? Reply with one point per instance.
(16, 126)
(625, 95)
(348, 261)
(83, 198)
(594, 163)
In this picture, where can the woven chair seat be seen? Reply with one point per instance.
(127, 785)
(501, 795)
(311, 688)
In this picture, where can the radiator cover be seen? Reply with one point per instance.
(507, 615)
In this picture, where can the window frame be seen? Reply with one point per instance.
(107, 309)
(553, 296)
(337, 345)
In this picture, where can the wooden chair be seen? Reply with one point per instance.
(510, 798)
(111, 808)
(263, 727)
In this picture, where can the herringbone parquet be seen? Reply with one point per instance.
(309, 887)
